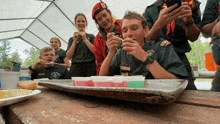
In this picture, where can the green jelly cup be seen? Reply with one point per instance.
(135, 82)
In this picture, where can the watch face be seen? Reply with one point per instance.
(150, 59)
(150, 53)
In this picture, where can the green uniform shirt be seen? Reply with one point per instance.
(165, 56)
(211, 12)
(179, 39)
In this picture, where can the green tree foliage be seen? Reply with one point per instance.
(6, 58)
(196, 55)
(33, 57)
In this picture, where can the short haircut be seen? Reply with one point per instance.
(57, 40)
(46, 49)
(135, 15)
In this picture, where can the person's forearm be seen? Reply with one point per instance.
(207, 29)
(66, 65)
(192, 32)
(104, 70)
(71, 51)
(154, 32)
(159, 72)
(89, 45)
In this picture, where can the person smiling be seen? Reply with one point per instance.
(59, 53)
(153, 59)
(106, 23)
(81, 50)
(45, 68)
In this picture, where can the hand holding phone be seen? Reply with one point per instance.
(172, 2)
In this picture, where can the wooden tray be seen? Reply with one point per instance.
(154, 91)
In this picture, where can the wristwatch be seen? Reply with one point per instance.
(149, 59)
(188, 25)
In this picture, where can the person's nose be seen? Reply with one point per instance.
(129, 33)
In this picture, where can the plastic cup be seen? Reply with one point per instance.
(119, 81)
(102, 81)
(135, 82)
(9, 80)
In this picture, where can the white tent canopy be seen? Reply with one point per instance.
(36, 21)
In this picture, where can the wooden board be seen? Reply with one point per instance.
(154, 91)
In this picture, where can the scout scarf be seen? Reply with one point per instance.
(172, 24)
(113, 25)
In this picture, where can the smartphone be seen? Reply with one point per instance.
(172, 2)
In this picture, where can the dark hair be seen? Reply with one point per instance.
(97, 25)
(135, 15)
(80, 14)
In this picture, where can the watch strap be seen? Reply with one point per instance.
(188, 25)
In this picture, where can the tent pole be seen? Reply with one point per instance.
(28, 42)
(51, 30)
(38, 37)
(12, 30)
(64, 14)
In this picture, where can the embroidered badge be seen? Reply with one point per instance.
(165, 43)
(125, 68)
(124, 74)
(103, 5)
(41, 74)
(191, 4)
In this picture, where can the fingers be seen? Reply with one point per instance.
(171, 7)
(109, 35)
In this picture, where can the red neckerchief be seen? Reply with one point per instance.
(172, 24)
(211, 42)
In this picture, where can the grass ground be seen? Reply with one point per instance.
(210, 80)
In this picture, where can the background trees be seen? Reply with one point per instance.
(6, 58)
(196, 55)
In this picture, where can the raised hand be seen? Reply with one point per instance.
(112, 42)
(133, 47)
(166, 17)
(75, 36)
(186, 13)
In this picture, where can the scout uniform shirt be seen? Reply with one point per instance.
(163, 53)
(55, 72)
(173, 32)
(82, 52)
(212, 11)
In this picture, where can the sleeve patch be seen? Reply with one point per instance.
(164, 43)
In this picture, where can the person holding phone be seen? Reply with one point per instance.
(106, 23)
(177, 25)
(81, 50)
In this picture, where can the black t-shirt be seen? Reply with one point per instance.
(60, 55)
(55, 72)
(82, 52)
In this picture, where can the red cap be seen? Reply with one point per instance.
(97, 8)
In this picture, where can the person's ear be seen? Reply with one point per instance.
(40, 57)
